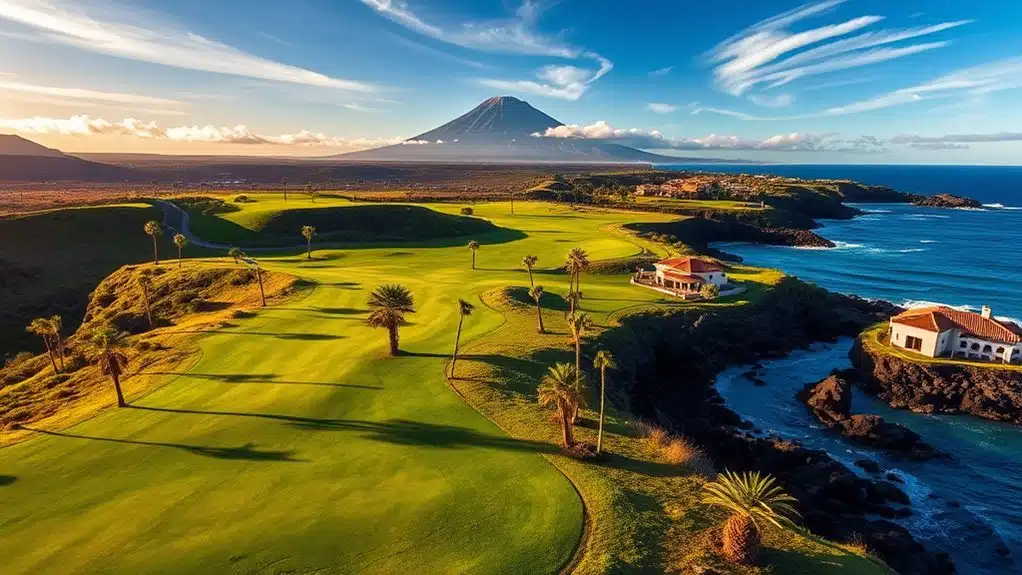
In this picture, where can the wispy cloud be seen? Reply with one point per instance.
(107, 29)
(434, 52)
(356, 107)
(778, 101)
(85, 94)
(655, 140)
(958, 138)
(768, 54)
(513, 35)
(660, 108)
(661, 72)
(988, 78)
(84, 125)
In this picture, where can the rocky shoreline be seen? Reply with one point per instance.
(830, 401)
(991, 393)
(835, 502)
(945, 201)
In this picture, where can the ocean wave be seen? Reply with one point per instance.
(996, 206)
(811, 248)
(935, 216)
(929, 242)
(881, 211)
(846, 245)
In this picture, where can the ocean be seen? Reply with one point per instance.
(912, 255)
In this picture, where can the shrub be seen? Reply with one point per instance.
(183, 297)
(130, 322)
(55, 380)
(198, 305)
(104, 298)
(657, 437)
(241, 199)
(143, 345)
(467, 211)
(242, 277)
(242, 314)
(709, 291)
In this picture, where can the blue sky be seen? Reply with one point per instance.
(856, 81)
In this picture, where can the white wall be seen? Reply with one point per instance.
(716, 278)
(931, 341)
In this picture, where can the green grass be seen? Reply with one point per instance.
(66, 252)
(295, 445)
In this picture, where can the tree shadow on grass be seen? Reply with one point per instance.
(342, 285)
(246, 452)
(7, 480)
(292, 336)
(259, 378)
(396, 431)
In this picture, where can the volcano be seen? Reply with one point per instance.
(500, 130)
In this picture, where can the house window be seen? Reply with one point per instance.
(962, 344)
(913, 343)
(1000, 350)
(988, 348)
(975, 347)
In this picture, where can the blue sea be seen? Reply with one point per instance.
(911, 255)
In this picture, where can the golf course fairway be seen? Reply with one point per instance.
(296, 444)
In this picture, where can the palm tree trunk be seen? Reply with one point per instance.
(156, 252)
(603, 397)
(262, 294)
(179, 257)
(457, 344)
(566, 433)
(531, 283)
(49, 351)
(308, 249)
(473, 259)
(60, 349)
(578, 374)
(539, 316)
(117, 386)
(393, 340)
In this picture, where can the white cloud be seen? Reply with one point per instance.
(661, 72)
(980, 80)
(660, 108)
(107, 29)
(778, 101)
(513, 35)
(85, 94)
(769, 54)
(83, 125)
(654, 140)
(958, 138)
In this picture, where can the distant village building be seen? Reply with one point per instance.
(941, 331)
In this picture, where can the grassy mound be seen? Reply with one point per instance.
(518, 297)
(189, 299)
(376, 223)
(50, 261)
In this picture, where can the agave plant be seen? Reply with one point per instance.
(751, 498)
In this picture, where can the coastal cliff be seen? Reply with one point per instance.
(670, 362)
(945, 201)
(989, 392)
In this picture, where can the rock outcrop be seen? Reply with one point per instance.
(830, 400)
(990, 392)
(946, 201)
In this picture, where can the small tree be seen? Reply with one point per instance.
(146, 283)
(154, 230)
(709, 291)
(107, 345)
(307, 233)
(57, 332)
(283, 186)
(536, 293)
(603, 361)
(578, 261)
(43, 328)
(558, 389)
(750, 497)
(579, 325)
(473, 246)
(388, 305)
(180, 241)
(465, 309)
(530, 262)
(235, 253)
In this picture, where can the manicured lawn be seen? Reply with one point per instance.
(296, 445)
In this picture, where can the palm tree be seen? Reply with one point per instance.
(283, 186)
(235, 253)
(750, 497)
(389, 304)
(530, 262)
(574, 300)
(180, 241)
(57, 331)
(536, 293)
(473, 247)
(578, 326)
(464, 309)
(107, 345)
(581, 263)
(41, 326)
(154, 229)
(307, 233)
(146, 283)
(558, 389)
(603, 361)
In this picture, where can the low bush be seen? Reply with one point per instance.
(467, 211)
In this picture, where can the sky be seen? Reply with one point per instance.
(853, 81)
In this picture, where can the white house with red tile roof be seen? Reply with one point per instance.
(688, 274)
(941, 331)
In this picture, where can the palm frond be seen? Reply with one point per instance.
(751, 494)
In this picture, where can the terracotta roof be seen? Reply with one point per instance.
(941, 318)
(674, 275)
(690, 265)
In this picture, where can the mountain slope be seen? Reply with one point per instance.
(23, 160)
(500, 131)
(18, 146)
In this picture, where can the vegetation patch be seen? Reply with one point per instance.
(376, 223)
(208, 205)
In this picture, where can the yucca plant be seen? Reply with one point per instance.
(751, 498)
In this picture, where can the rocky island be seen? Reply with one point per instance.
(945, 201)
